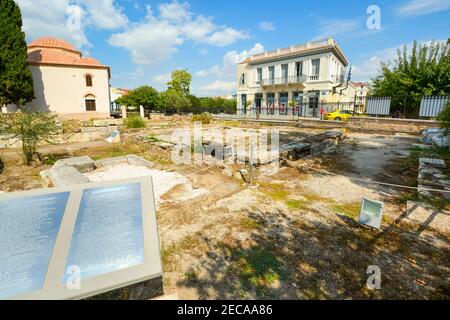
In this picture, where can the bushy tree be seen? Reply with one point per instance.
(423, 70)
(218, 105)
(145, 96)
(16, 81)
(444, 118)
(30, 128)
(175, 103)
(134, 121)
(196, 104)
(180, 83)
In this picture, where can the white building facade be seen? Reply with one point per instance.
(293, 80)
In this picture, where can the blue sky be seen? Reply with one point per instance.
(142, 41)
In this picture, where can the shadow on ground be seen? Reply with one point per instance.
(288, 257)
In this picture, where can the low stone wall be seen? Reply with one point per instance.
(390, 125)
(85, 115)
(85, 134)
(8, 141)
(317, 123)
(412, 126)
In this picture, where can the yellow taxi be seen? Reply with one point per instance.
(338, 115)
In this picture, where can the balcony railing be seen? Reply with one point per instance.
(294, 49)
(282, 80)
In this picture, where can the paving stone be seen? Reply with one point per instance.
(82, 164)
(66, 176)
(107, 122)
(427, 216)
(111, 162)
(333, 134)
(430, 171)
(138, 161)
(436, 163)
(227, 172)
(165, 145)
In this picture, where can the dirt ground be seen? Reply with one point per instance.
(294, 234)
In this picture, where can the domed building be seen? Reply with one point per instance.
(67, 83)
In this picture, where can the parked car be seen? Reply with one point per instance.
(338, 115)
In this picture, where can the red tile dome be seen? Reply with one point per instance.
(54, 51)
(50, 42)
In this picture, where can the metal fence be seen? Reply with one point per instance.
(400, 106)
(378, 106)
(431, 106)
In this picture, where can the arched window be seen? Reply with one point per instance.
(88, 80)
(89, 102)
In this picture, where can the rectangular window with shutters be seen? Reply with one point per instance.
(242, 80)
(298, 68)
(315, 67)
(259, 75)
(90, 104)
(271, 74)
(284, 72)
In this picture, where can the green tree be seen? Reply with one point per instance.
(145, 96)
(175, 103)
(423, 70)
(30, 128)
(444, 118)
(196, 104)
(16, 82)
(181, 82)
(218, 105)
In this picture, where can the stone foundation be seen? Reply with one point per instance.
(413, 126)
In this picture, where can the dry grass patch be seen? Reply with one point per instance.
(249, 224)
(295, 205)
(277, 192)
(116, 150)
(171, 254)
(350, 210)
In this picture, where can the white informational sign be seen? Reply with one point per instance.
(76, 242)
(371, 213)
(113, 136)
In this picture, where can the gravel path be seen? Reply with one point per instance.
(163, 181)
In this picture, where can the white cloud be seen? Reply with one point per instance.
(219, 88)
(162, 78)
(330, 28)
(267, 26)
(413, 8)
(53, 21)
(174, 11)
(226, 36)
(201, 73)
(198, 29)
(157, 37)
(149, 42)
(68, 19)
(230, 60)
(104, 14)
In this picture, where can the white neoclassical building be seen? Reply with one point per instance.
(65, 82)
(293, 78)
